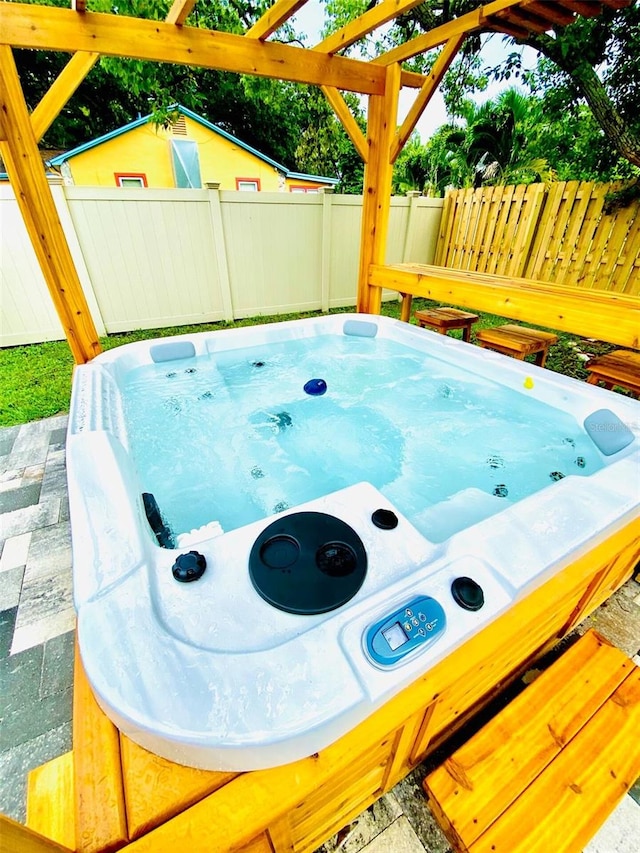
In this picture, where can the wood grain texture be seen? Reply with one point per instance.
(567, 803)
(488, 774)
(17, 838)
(50, 800)
(26, 173)
(50, 28)
(100, 816)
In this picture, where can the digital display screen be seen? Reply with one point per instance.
(395, 636)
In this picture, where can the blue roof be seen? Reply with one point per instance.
(300, 176)
(99, 140)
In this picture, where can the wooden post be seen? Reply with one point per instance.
(26, 174)
(381, 128)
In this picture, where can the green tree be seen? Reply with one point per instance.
(595, 61)
(324, 147)
(492, 145)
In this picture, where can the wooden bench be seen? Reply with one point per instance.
(443, 319)
(621, 368)
(546, 772)
(603, 315)
(517, 341)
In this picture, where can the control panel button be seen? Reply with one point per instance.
(399, 634)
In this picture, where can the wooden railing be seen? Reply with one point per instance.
(559, 233)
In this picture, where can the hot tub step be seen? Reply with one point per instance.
(546, 772)
(50, 803)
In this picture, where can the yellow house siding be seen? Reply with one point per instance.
(139, 150)
(147, 150)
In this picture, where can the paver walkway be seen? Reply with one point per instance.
(36, 653)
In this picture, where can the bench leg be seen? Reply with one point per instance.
(466, 334)
(594, 379)
(405, 308)
(541, 357)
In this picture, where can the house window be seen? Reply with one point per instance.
(302, 188)
(248, 185)
(131, 179)
(186, 163)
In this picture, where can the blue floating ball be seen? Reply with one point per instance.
(315, 387)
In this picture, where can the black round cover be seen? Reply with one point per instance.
(307, 563)
(467, 593)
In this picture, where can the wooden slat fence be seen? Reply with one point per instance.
(551, 232)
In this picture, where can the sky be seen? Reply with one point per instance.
(310, 19)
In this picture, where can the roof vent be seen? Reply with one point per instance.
(179, 127)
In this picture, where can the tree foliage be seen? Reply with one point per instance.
(593, 63)
(290, 123)
(493, 145)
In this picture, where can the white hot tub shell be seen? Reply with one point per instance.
(210, 674)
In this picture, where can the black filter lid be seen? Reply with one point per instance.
(307, 563)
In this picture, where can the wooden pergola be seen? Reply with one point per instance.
(87, 36)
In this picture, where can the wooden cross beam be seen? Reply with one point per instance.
(24, 166)
(180, 11)
(51, 28)
(273, 18)
(61, 90)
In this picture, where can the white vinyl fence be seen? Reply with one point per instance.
(154, 258)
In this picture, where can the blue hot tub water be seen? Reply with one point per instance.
(234, 438)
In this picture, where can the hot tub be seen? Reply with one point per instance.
(277, 529)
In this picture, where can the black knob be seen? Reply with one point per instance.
(385, 519)
(189, 567)
(467, 593)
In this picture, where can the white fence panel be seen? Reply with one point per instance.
(156, 258)
(150, 255)
(274, 252)
(27, 314)
(346, 213)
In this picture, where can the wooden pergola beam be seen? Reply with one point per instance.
(51, 28)
(20, 153)
(60, 91)
(469, 23)
(472, 22)
(273, 18)
(344, 114)
(589, 9)
(524, 18)
(365, 24)
(425, 94)
(180, 11)
(552, 12)
(376, 203)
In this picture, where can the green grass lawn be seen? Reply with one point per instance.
(35, 380)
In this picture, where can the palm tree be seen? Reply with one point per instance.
(490, 147)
